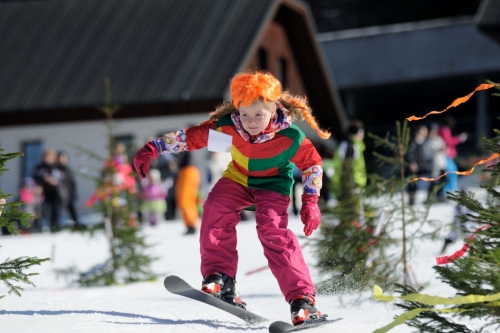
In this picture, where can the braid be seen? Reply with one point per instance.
(226, 107)
(300, 109)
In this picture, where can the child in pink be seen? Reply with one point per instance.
(31, 195)
(153, 194)
(265, 146)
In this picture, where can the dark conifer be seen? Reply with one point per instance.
(12, 271)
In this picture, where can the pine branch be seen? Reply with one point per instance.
(12, 271)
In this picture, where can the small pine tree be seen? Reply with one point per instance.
(477, 272)
(358, 241)
(115, 199)
(13, 270)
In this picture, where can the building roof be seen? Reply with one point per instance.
(409, 52)
(56, 53)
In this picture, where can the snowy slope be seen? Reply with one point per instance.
(148, 307)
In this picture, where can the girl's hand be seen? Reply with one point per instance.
(143, 158)
(309, 213)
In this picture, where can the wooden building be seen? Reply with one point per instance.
(169, 63)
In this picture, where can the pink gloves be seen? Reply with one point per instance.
(309, 213)
(143, 158)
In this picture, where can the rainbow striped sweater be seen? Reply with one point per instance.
(265, 165)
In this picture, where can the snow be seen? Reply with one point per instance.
(147, 307)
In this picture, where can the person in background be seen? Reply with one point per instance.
(265, 144)
(438, 147)
(118, 176)
(327, 161)
(48, 176)
(352, 149)
(451, 151)
(462, 226)
(169, 167)
(68, 185)
(186, 192)
(2, 203)
(420, 158)
(153, 195)
(31, 195)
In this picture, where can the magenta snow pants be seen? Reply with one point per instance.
(221, 214)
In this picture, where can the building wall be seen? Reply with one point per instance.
(90, 135)
(275, 43)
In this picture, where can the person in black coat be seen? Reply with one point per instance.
(420, 157)
(68, 188)
(48, 176)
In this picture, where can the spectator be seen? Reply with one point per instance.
(420, 159)
(186, 192)
(462, 226)
(438, 147)
(168, 166)
(48, 176)
(2, 203)
(153, 195)
(117, 175)
(68, 188)
(31, 195)
(350, 149)
(451, 151)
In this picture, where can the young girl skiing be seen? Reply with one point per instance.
(265, 145)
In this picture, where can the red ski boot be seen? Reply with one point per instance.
(223, 287)
(303, 308)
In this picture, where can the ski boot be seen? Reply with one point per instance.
(303, 309)
(224, 288)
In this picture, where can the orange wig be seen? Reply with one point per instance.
(248, 87)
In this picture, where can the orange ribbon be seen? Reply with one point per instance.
(461, 173)
(456, 102)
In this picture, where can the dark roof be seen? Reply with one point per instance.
(410, 52)
(56, 53)
(162, 56)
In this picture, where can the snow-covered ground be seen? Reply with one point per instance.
(148, 307)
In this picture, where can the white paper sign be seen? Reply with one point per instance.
(219, 142)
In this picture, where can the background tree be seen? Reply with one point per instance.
(13, 271)
(115, 198)
(368, 237)
(476, 273)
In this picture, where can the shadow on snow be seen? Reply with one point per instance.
(154, 321)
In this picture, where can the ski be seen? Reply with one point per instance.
(282, 327)
(178, 286)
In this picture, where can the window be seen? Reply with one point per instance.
(262, 59)
(33, 153)
(283, 72)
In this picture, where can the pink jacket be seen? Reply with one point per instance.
(451, 141)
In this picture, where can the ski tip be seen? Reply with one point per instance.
(283, 327)
(172, 281)
(280, 327)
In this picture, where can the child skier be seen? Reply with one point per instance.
(265, 145)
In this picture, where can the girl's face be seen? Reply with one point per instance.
(256, 116)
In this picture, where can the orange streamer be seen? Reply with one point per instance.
(461, 173)
(456, 102)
